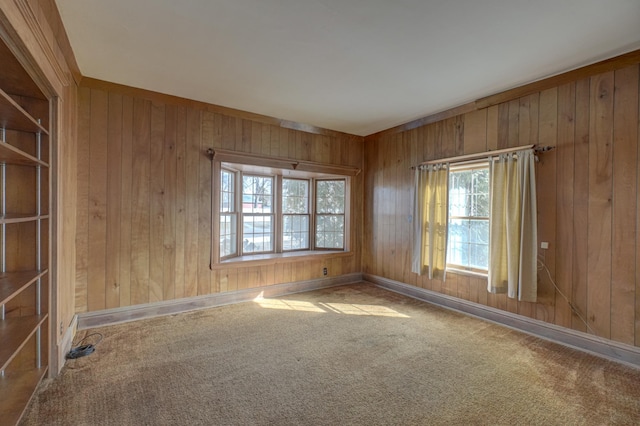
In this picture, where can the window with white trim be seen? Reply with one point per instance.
(265, 210)
(469, 205)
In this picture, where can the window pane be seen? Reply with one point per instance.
(330, 196)
(227, 191)
(257, 194)
(295, 234)
(469, 193)
(295, 196)
(330, 231)
(257, 232)
(468, 243)
(228, 235)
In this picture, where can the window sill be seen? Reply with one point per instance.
(275, 258)
(468, 273)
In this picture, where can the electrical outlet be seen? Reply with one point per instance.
(324, 271)
(61, 328)
(544, 245)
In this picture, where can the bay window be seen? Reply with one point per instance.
(267, 211)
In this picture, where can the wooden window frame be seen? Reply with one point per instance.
(474, 165)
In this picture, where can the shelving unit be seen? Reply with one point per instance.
(24, 237)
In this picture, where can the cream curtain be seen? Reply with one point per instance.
(513, 228)
(430, 220)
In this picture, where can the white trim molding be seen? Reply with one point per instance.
(604, 348)
(170, 307)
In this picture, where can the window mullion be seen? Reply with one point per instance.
(312, 214)
(277, 231)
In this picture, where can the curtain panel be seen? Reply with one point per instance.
(430, 220)
(513, 226)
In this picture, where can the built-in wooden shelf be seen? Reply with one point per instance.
(9, 154)
(12, 283)
(14, 117)
(21, 218)
(16, 390)
(26, 339)
(14, 333)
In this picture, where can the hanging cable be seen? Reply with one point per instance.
(543, 267)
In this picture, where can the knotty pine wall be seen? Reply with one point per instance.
(144, 196)
(587, 199)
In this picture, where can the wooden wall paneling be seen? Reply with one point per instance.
(378, 221)
(204, 205)
(63, 295)
(228, 132)
(245, 138)
(242, 278)
(513, 134)
(140, 199)
(265, 140)
(223, 279)
(181, 201)
(256, 137)
(600, 206)
(546, 200)
(493, 124)
(564, 201)
(157, 202)
(392, 203)
(625, 154)
(287, 272)
(397, 218)
(125, 201)
(387, 205)
(637, 309)
(114, 200)
(304, 151)
(503, 126)
(283, 143)
(580, 205)
(97, 200)
(269, 271)
(82, 191)
(475, 132)
(192, 180)
(368, 243)
(170, 203)
(279, 273)
(215, 123)
(293, 142)
(409, 153)
(232, 280)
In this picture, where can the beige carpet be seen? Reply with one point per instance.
(347, 355)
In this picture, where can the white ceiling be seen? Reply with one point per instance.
(357, 66)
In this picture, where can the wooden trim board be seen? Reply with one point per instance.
(65, 344)
(618, 352)
(151, 310)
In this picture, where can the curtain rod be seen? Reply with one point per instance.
(470, 157)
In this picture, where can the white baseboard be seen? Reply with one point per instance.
(150, 310)
(619, 352)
